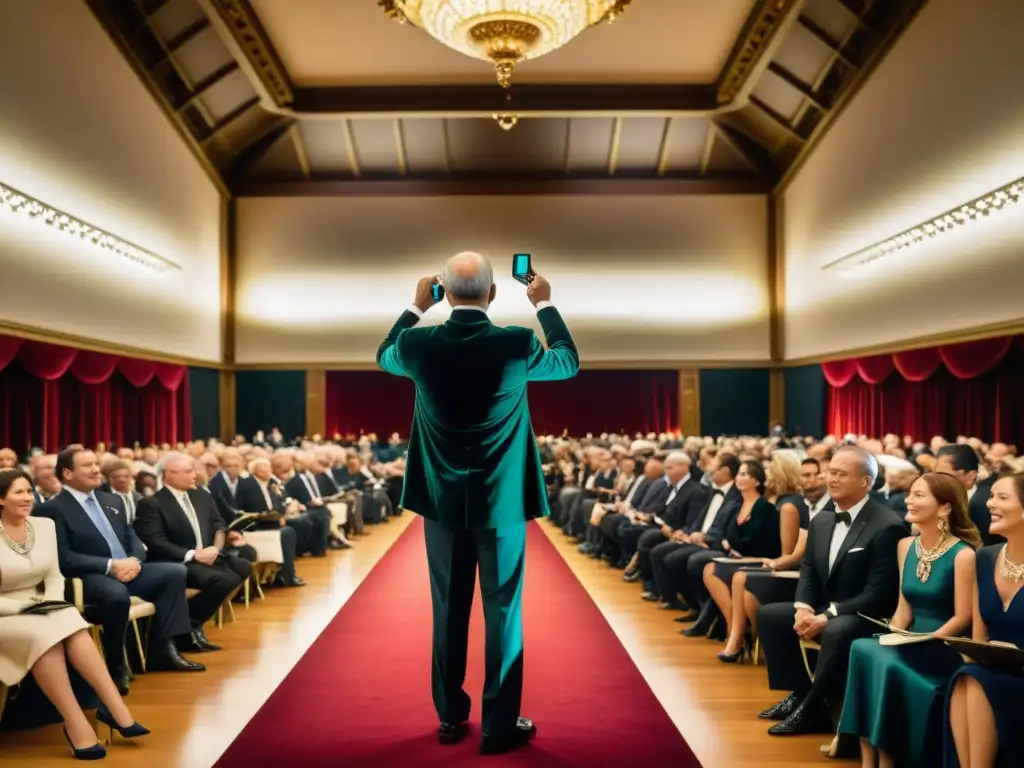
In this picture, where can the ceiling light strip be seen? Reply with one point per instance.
(19, 202)
(980, 208)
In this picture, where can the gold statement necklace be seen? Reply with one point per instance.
(926, 558)
(1011, 570)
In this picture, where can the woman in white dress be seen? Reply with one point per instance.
(44, 643)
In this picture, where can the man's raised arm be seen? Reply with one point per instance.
(389, 356)
(560, 360)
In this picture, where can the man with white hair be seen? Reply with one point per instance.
(180, 524)
(474, 473)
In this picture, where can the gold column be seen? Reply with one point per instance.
(689, 401)
(227, 405)
(227, 280)
(776, 278)
(777, 397)
(316, 402)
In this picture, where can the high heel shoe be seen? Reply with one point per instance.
(95, 752)
(735, 658)
(127, 732)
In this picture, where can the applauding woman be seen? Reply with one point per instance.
(894, 694)
(984, 709)
(37, 635)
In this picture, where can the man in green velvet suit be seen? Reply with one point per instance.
(474, 473)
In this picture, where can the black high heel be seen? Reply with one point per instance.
(128, 732)
(95, 752)
(736, 658)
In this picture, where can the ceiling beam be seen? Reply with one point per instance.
(797, 84)
(753, 154)
(759, 32)
(205, 85)
(709, 147)
(614, 146)
(828, 41)
(486, 100)
(110, 18)
(252, 154)
(300, 150)
(239, 27)
(547, 185)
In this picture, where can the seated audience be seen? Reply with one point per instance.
(255, 495)
(119, 478)
(678, 566)
(43, 644)
(984, 709)
(622, 530)
(610, 500)
(895, 694)
(850, 568)
(96, 544)
(962, 461)
(311, 524)
(769, 525)
(180, 524)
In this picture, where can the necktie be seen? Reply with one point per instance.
(99, 519)
(843, 517)
(190, 513)
(314, 492)
(129, 507)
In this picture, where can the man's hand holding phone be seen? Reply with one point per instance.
(426, 297)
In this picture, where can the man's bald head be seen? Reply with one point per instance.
(468, 277)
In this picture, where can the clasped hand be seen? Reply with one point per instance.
(125, 570)
(809, 625)
(206, 555)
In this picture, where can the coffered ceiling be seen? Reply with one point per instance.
(295, 97)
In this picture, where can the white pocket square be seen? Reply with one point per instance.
(855, 549)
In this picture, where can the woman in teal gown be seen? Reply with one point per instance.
(895, 694)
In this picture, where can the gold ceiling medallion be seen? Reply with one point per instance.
(504, 32)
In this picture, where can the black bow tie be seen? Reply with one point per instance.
(843, 517)
(718, 492)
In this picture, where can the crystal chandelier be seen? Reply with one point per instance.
(504, 32)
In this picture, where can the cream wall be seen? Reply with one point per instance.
(939, 123)
(642, 279)
(79, 132)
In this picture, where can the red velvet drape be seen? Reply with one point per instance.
(594, 401)
(51, 395)
(972, 389)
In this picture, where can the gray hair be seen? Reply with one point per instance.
(678, 457)
(470, 287)
(869, 464)
(161, 466)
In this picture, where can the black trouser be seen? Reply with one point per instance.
(215, 584)
(649, 539)
(786, 670)
(162, 584)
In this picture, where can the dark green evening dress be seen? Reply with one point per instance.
(895, 694)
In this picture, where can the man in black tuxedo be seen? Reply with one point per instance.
(962, 461)
(702, 537)
(180, 524)
(850, 568)
(687, 499)
(96, 544)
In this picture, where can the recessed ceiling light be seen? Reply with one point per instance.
(988, 205)
(18, 202)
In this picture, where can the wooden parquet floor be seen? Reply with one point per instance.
(194, 717)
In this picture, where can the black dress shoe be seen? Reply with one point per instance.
(452, 734)
(650, 597)
(122, 681)
(782, 709)
(201, 635)
(631, 577)
(805, 719)
(295, 581)
(704, 621)
(169, 659)
(497, 745)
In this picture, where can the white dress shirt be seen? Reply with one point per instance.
(675, 489)
(419, 313)
(716, 504)
(814, 509)
(265, 487)
(840, 532)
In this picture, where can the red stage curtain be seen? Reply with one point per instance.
(968, 389)
(361, 402)
(51, 395)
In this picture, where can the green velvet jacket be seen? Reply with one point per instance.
(473, 461)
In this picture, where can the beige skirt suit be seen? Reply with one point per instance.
(24, 638)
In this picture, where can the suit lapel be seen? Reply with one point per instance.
(851, 537)
(825, 546)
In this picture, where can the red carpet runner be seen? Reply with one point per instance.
(361, 694)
